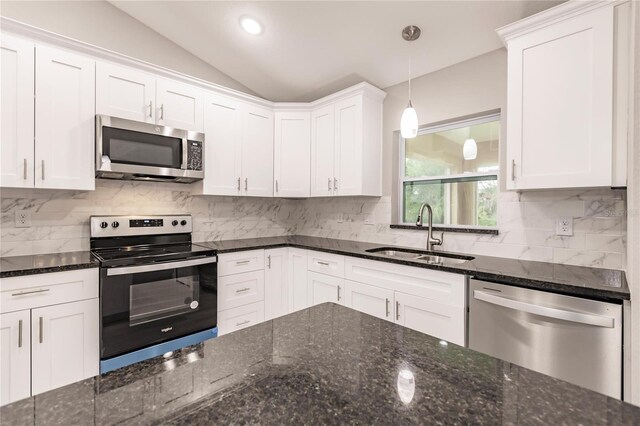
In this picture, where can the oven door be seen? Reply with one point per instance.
(144, 305)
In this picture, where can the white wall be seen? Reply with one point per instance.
(101, 24)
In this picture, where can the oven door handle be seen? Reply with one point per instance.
(159, 266)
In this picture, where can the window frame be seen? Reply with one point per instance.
(453, 178)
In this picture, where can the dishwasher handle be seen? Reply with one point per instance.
(545, 311)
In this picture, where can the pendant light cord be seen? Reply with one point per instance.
(410, 57)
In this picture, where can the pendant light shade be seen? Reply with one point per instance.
(470, 149)
(409, 122)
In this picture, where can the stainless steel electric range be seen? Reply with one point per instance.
(158, 291)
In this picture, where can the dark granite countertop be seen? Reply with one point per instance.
(595, 283)
(14, 266)
(324, 365)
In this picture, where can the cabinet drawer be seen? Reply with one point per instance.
(239, 318)
(243, 261)
(240, 289)
(430, 317)
(440, 286)
(33, 291)
(326, 263)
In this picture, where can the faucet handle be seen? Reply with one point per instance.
(441, 239)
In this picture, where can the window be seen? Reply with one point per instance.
(462, 192)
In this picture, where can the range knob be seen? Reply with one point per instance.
(183, 222)
(103, 225)
(174, 223)
(115, 224)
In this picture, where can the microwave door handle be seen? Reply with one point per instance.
(159, 266)
(545, 311)
(185, 148)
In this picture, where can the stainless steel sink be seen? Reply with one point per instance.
(420, 256)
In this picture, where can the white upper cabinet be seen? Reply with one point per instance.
(346, 145)
(223, 146)
(292, 154)
(64, 120)
(16, 114)
(257, 152)
(135, 95)
(179, 105)
(125, 93)
(561, 93)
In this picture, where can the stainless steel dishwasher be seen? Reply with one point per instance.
(570, 338)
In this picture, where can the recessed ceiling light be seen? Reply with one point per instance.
(250, 25)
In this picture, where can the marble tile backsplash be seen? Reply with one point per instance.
(60, 220)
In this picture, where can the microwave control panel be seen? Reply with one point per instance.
(194, 155)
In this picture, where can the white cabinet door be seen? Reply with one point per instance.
(348, 147)
(322, 151)
(222, 146)
(240, 317)
(325, 288)
(65, 344)
(15, 356)
(64, 124)
(376, 301)
(430, 317)
(560, 104)
(16, 113)
(125, 93)
(297, 279)
(292, 155)
(257, 152)
(240, 289)
(276, 288)
(179, 105)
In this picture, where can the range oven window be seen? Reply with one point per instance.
(131, 147)
(156, 295)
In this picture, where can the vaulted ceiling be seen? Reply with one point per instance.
(311, 48)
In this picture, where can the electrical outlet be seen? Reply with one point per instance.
(340, 217)
(564, 226)
(23, 219)
(368, 219)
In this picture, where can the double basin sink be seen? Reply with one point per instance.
(420, 256)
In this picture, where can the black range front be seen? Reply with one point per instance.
(158, 292)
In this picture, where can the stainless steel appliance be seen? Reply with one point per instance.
(570, 338)
(158, 291)
(132, 150)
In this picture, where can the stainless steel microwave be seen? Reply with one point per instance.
(132, 150)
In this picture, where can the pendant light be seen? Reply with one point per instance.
(470, 149)
(409, 120)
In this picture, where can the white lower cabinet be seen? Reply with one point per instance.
(49, 332)
(15, 356)
(65, 344)
(240, 289)
(276, 296)
(325, 288)
(297, 279)
(241, 317)
(372, 300)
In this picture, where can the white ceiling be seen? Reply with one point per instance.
(311, 49)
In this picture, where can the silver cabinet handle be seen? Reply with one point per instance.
(338, 293)
(545, 311)
(513, 169)
(238, 324)
(159, 266)
(269, 261)
(329, 184)
(335, 184)
(20, 333)
(42, 169)
(323, 263)
(161, 111)
(40, 326)
(150, 109)
(246, 184)
(24, 171)
(276, 185)
(238, 184)
(242, 290)
(397, 310)
(387, 305)
(22, 293)
(242, 262)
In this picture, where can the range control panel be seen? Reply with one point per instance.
(124, 226)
